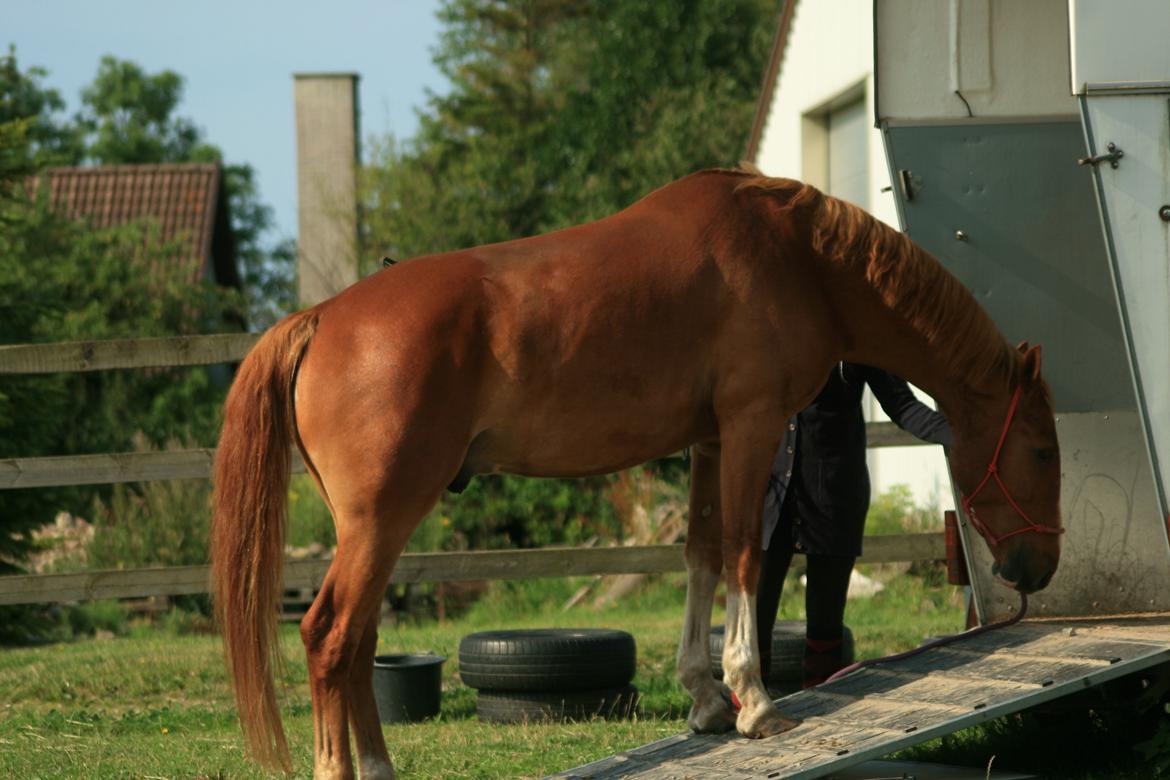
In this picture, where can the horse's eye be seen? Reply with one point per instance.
(1044, 454)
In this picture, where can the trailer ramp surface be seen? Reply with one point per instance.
(881, 709)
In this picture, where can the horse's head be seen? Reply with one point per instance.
(1006, 461)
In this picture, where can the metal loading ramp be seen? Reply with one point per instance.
(878, 710)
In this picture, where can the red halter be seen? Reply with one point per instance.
(993, 472)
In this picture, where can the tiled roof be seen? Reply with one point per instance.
(181, 197)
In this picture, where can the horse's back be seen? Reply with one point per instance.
(577, 351)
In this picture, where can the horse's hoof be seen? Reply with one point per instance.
(766, 722)
(717, 717)
(375, 769)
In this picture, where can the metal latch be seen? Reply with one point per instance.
(905, 184)
(1113, 156)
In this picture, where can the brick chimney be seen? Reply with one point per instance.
(327, 166)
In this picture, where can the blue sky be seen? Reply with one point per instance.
(237, 60)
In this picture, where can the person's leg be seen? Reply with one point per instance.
(773, 569)
(828, 585)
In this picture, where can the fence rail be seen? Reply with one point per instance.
(109, 468)
(112, 467)
(420, 567)
(75, 356)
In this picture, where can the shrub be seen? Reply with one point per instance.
(185, 622)
(497, 512)
(152, 524)
(650, 503)
(309, 521)
(91, 617)
(894, 512)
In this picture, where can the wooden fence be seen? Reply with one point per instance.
(196, 464)
(171, 351)
(421, 567)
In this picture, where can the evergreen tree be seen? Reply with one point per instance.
(668, 88)
(478, 167)
(562, 111)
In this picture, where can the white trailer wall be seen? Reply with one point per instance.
(983, 136)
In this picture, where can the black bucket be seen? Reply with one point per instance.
(407, 687)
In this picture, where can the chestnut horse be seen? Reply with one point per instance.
(705, 315)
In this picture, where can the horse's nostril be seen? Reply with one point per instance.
(1010, 571)
(1029, 582)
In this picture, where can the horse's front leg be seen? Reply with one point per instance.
(712, 711)
(745, 463)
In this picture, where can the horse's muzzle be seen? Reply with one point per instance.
(1024, 571)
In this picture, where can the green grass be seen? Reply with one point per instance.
(152, 704)
(157, 705)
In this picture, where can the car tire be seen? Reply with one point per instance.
(550, 659)
(556, 706)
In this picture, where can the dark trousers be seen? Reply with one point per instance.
(828, 585)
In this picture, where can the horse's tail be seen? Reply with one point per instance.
(248, 526)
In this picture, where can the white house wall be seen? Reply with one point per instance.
(829, 56)
(829, 53)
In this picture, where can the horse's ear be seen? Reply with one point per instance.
(1022, 347)
(1032, 363)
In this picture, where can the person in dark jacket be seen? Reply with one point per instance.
(816, 503)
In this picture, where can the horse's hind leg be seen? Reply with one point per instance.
(335, 634)
(340, 631)
(712, 710)
(373, 759)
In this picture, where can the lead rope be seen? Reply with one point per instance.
(946, 640)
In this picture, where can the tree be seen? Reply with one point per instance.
(562, 111)
(267, 273)
(128, 118)
(46, 136)
(479, 164)
(668, 88)
(63, 280)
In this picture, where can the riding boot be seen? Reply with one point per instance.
(828, 584)
(822, 657)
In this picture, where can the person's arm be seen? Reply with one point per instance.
(907, 412)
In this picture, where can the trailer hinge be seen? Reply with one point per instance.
(1115, 154)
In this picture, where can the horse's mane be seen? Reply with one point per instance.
(909, 280)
